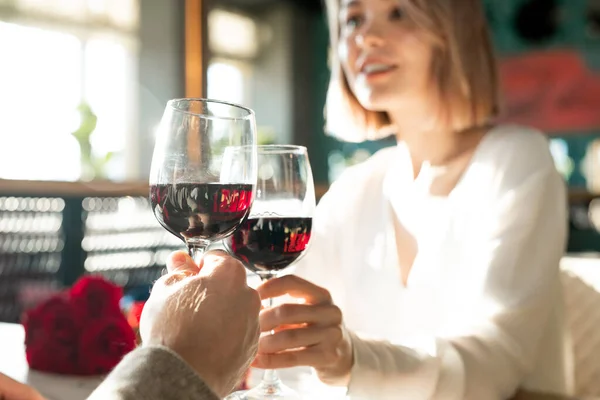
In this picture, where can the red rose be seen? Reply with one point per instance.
(56, 358)
(103, 344)
(53, 318)
(95, 297)
(50, 331)
(32, 323)
(81, 331)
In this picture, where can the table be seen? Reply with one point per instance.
(53, 387)
(58, 387)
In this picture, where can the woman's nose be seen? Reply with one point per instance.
(370, 35)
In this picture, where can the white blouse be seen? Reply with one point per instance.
(481, 314)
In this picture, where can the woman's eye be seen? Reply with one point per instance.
(353, 21)
(396, 14)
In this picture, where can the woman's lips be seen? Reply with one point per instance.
(372, 74)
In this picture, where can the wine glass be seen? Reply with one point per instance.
(276, 234)
(203, 174)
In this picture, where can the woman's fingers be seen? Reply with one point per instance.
(299, 314)
(313, 356)
(309, 334)
(295, 287)
(297, 338)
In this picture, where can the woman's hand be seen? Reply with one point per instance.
(309, 334)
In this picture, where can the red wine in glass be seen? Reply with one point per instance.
(208, 211)
(204, 170)
(267, 245)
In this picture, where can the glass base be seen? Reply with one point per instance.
(266, 391)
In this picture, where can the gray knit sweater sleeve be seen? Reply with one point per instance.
(153, 373)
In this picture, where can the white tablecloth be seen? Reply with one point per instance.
(58, 387)
(53, 387)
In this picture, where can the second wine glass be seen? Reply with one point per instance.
(276, 234)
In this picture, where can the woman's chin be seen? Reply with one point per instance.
(377, 100)
(374, 103)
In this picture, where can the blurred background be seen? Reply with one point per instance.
(83, 85)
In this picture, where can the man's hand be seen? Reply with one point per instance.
(208, 315)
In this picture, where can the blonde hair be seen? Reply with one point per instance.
(464, 70)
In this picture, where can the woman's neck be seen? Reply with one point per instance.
(430, 141)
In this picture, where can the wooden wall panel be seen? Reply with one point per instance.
(194, 48)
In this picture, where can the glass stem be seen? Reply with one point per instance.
(270, 376)
(197, 249)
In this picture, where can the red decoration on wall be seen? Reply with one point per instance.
(554, 91)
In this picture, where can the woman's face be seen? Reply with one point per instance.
(386, 60)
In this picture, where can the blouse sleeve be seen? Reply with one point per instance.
(490, 351)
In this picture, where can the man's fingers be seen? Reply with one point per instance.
(213, 259)
(215, 264)
(179, 261)
(179, 266)
(221, 266)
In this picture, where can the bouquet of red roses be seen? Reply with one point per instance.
(80, 331)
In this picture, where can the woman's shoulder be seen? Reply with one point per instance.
(512, 133)
(517, 151)
(509, 160)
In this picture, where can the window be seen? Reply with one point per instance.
(226, 81)
(233, 39)
(233, 34)
(57, 55)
